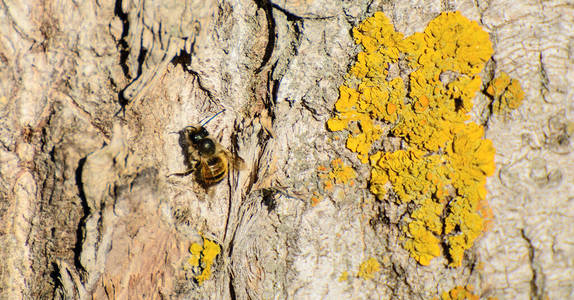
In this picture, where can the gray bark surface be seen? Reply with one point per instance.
(92, 91)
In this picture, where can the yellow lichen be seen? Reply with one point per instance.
(422, 243)
(203, 257)
(315, 200)
(339, 174)
(344, 276)
(461, 293)
(195, 249)
(507, 93)
(444, 161)
(368, 268)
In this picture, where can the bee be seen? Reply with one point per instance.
(206, 157)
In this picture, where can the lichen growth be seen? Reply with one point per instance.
(422, 232)
(340, 173)
(368, 268)
(444, 161)
(461, 293)
(344, 276)
(316, 199)
(202, 258)
(506, 92)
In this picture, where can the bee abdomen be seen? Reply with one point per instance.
(214, 171)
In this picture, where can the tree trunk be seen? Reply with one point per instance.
(95, 97)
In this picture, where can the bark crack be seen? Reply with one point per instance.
(534, 289)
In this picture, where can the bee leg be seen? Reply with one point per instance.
(182, 174)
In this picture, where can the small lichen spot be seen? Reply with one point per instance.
(344, 276)
(203, 257)
(506, 92)
(368, 268)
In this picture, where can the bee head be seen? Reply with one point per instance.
(197, 134)
(205, 146)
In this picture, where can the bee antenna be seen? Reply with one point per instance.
(204, 123)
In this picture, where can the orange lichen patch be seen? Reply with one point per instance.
(463, 225)
(361, 143)
(422, 243)
(343, 175)
(443, 164)
(339, 174)
(429, 215)
(328, 185)
(381, 42)
(485, 211)
(368, 268)
(411, 174)
(315, 200)
(460, 293)
(507, 93)
(473, 160)
(202, 258)
(459, 45)
(422, 104)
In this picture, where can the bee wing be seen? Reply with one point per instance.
(237, 162)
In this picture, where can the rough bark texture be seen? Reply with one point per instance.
(91, 91)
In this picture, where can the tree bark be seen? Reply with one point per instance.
(91, 93)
